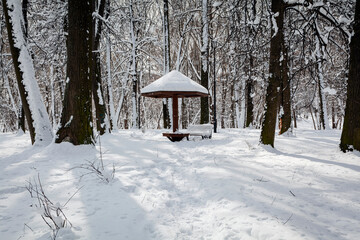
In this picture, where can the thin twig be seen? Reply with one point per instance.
(101, 158)
(261, 180)
(73, 196)
(28, 227)
(288, 219)
(215, 162)
(273, 200)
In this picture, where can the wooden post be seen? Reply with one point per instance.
(175, 113)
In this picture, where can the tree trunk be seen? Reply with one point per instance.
(97, 90)
(312, 117)
(323, 118)
(272, 92)
(98, 96)
(25, 4)
(223, 103)
(22, 119)
(184, 122)
(52, 96)
(204, 116)
(235, 113)
(32, 103)
(133, 69)
(248, 90)
(15, 52)
(349, 140)
(113, 123)
(285, 96)
(321, 107)
(333, 115)
(76, 118)
(166, 112)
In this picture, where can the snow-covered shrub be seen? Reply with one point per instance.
(51, 213)
(97, 167)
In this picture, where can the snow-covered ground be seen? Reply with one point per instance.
(227, 187)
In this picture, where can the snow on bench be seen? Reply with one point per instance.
(203, 130)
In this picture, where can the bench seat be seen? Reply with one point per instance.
(203, 130)
(176, 137)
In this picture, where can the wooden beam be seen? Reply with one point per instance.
(175, 113)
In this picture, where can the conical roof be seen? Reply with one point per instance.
(174, 84)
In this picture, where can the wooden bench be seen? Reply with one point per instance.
(203, 130)
(176, 137)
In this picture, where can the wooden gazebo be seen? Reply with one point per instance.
(174, 85)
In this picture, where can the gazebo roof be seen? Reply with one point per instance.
(174, 84)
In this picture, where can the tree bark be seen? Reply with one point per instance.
(76, 118)
(333, 115)
(285, 91)
(272, 92)
(349, 140)
(248, 90)
(22, 119)
(97, 90)
(110, 100)
(312, 117)
(22, 116)
(323, 121)
(32, 103)
(133, 69)
(223, 103)
(204, 115)
(294, 117)
(15, 52)
(166, 112)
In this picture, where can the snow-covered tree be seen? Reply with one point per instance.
(33, 105)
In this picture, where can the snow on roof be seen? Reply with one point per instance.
(174, 81)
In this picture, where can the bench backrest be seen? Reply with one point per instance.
(200, 127)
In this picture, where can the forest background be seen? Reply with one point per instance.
(270, 60)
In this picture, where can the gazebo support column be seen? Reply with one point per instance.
(175, 113)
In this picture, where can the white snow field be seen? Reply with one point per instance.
(228, 187)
